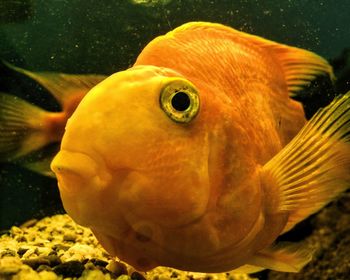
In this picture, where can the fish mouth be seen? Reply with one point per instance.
(75, 170)
(74, 162)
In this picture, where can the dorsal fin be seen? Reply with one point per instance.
(300, 66)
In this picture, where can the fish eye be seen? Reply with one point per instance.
(179, 99)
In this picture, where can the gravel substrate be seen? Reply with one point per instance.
(57, 248)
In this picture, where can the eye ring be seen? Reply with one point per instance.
(179, 99)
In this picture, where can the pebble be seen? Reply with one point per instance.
(98, 262)
(70, 237)
(124, 277)
(69, 269)
(54, 260)
(117, 268)
(36, 262)
(9, 266)
(79, 252)
(51, 260)
(42, 228)
(16, 231)
(137, 276)
(43, 251)
(47, 275)
(44, 267)
(58, 247)
(28, 253)
(21, 238)
(21, 251)
(29, 223)
(7, 253)
(95, 275)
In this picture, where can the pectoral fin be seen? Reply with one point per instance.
(314, 167)
(247, 269)
(286, 257)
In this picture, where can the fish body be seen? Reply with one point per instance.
(198, 159)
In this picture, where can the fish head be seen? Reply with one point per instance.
(135, 153)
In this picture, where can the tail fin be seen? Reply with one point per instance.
(62, 86)
(22, 127)
(315, 166)
(39, 161)
(26, 128)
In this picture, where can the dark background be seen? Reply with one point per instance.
(85, 36)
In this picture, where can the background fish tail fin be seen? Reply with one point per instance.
(39, 161)
(315, 166)
(64, 87)
(23, 127)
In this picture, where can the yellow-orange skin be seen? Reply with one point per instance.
(156, 192)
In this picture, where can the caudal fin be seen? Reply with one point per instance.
(26, 128)
(64, 87)
(22, 127)
(315, 166)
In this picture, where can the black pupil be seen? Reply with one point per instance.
(180, 101)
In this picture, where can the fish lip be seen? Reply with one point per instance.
(79, 163)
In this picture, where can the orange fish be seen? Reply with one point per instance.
(196, 157)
